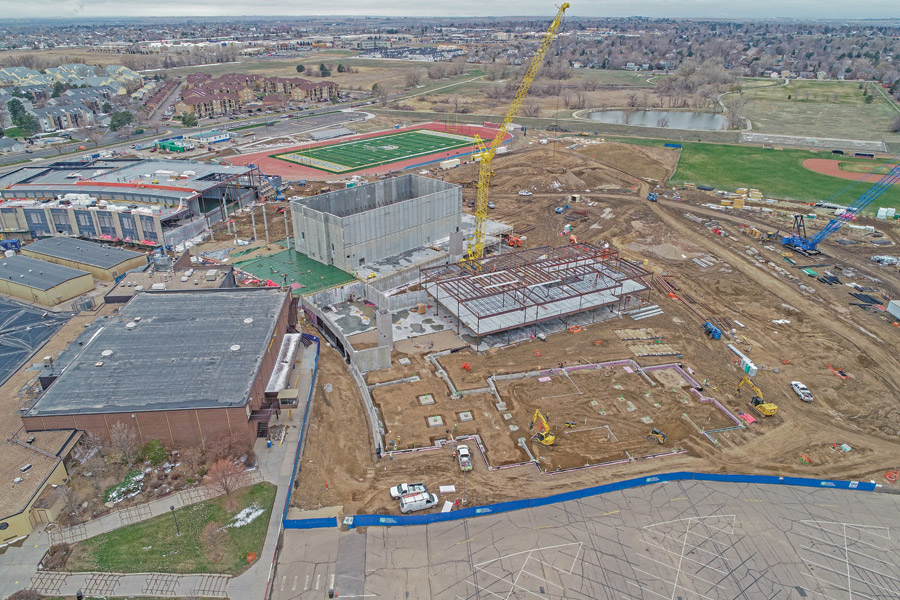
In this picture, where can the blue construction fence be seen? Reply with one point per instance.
(305, 523)
(475, 511)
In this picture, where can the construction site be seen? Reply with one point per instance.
(587, 323)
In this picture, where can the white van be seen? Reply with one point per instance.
(419, 501)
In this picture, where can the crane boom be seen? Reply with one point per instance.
(798, 240)
(476, 247)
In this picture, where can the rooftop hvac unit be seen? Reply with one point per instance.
(26, 468)
(48, 361)
(131, 326)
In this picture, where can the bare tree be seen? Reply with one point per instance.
(95, 135)
(531, 109)
(225, 475)
(662, 121)
(213, 538)
(124, 439)
(734, 111)
(895, 128)
(413, 78)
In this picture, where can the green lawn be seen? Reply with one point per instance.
(374, 151)
(14, 132)
(776, 173)
(152, 545)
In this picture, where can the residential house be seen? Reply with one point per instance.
(11, 145)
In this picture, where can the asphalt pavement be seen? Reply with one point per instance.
(678, 540)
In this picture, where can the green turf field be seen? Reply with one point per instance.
(376, 151)
(776, 173)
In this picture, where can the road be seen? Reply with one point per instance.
(687, 539)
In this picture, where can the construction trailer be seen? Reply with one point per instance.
(516, 289)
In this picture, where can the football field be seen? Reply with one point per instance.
(371, 152)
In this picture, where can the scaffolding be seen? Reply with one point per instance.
(523, 288)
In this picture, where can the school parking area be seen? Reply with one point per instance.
(685, 539)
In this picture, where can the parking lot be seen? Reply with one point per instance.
(675, 540)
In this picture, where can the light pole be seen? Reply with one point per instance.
(177, 531)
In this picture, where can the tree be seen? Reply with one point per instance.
(226, 475)
(895, 128)
(22, 119)
(124, 439)
(300, 68)
(154, 453)
(341, 68)
(734, 111)
(119, 120)
(58, 88)
(413, 79)
(324, 70)
(213, 538)
(107, 107)
(189, 119)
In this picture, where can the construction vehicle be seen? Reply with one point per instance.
(712, 331)
(544, 435)
(404, 489)
(798, 240)
(659, 436)
(652, 197)
(475, 250)
(512, 240)
(464, 458)
(765, 409)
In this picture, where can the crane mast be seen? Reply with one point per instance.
(476, 246)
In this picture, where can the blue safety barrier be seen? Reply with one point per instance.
(475, 511)
(305, 523)
(672, 145)
(310, 523)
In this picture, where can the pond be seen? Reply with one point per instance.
(662, 118)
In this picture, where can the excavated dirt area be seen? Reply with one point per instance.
(790, 333)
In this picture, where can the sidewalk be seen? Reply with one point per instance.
(18, 565)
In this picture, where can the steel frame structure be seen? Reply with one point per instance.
(523, 288)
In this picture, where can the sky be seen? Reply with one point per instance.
(741, 9)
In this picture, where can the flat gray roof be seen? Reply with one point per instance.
(88, 253)
(189, 350)
(34, 273)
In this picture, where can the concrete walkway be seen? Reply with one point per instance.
(18, 564)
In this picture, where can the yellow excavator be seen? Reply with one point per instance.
(765, 409)
(487, 151)
(544, 435)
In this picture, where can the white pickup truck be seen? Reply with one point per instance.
(802, 391)
(465, 459)
(407, 488)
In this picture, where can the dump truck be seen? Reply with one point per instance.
(465, 459)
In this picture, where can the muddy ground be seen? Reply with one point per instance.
(789, 332)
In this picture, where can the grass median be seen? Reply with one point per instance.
(153, 546)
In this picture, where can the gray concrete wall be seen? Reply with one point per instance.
(361, 225)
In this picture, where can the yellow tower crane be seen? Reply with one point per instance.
(476, 246)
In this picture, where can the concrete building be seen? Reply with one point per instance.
(34, 467)
(206, 277)
(177, 366)
(103, 262)
(147, 202)
(41, 282)
(359, 225)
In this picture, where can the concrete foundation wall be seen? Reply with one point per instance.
(360, 225)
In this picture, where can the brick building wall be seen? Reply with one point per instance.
(184, 427)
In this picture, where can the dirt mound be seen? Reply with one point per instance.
(546, 169)
(646, 162)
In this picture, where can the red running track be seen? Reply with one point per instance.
(290, 171)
